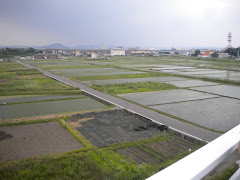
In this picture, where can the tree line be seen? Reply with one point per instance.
(9, 52)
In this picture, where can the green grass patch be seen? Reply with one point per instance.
(76, 134)
(33, 86)
(118, 76)
(26, 122)
(81, 166)
(133, 87)
(116, 146)
(226, 173)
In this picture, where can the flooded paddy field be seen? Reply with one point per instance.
(197, 72)
(17, 99)
(224, 90)
(59, 106)
(24, 141)
(191, 83)
(221, 114)
(166, 96)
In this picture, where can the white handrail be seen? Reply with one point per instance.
(198, 164)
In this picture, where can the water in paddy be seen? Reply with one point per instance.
(15, 99)
(49, 107)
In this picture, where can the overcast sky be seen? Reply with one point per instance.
(151, 23)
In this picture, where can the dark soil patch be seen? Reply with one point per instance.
(3, 135)
(108, 127)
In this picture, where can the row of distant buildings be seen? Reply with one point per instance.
(104, 53)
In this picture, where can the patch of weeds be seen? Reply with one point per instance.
(27, 122)
(76, 134)
(226, 173)
(81, 166)
(117, 146)
(133, 87)
(118, 76)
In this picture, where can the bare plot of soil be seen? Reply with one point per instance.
(20, 142)
(108, 127)
(158, 152)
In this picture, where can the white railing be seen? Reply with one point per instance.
(198, 164)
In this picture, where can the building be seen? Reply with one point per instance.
(93, 55)
(229, 41)
(22, 58)
(140, 52)
(39, 56)
(52, 56)
(223, 55)
(78, 53)
(117, 52)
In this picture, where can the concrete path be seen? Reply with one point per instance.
(174, 124)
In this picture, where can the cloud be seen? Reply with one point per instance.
(15, 34)
(136, 22)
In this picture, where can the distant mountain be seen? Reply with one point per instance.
(54, 46)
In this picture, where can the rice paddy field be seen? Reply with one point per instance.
(99, 141)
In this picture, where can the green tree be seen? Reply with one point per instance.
(215, 55)
(232, 51)
(197, 52)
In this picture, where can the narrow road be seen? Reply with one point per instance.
(173, 124)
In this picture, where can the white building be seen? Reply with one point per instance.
(78, 53)
(22, 58)
(93, 55)
(117, 52)
(223, 55)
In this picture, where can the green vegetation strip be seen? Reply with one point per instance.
(133, 87)
(26, 122)
(118, 76)
(226, 173)
(81, 166)
(75, 134)
(116, 146)
(11, 103)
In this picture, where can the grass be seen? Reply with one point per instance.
(26, 122)
(133, 87)
(226, 173)
(81, 166)
(15, 79)
(118, 76)
(34, 86)
(76, 134)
